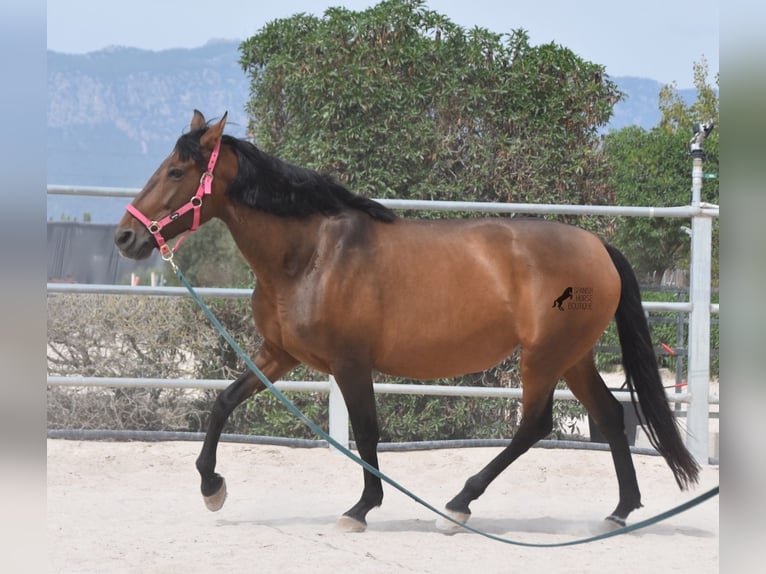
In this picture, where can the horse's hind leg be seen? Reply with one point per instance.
(536, 423)
(273, 364)
(587, 385)
(355, 382)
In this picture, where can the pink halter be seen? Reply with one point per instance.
(155, 227)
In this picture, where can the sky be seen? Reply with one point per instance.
(658, 39)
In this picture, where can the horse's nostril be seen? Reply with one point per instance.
(124, 237)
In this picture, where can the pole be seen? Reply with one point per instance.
(338, 415)
(698, 362)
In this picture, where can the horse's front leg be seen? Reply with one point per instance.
(273, 363)
(356, 385)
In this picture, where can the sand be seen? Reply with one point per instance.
(135, 507)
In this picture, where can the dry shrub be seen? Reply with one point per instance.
(142, 337)
(139, 336)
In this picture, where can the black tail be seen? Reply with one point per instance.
(643, 377)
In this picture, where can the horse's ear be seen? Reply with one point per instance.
(212, 135)
(198, 121)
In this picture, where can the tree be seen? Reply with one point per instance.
(650, 168)
(397, 101)
(653, 168)
(678, 116)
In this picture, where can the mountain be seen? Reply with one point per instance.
(114, 114)
(640, 105)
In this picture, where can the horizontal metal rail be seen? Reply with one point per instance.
(476, 206)
(325, 387)
(192, 384)
(206, 292)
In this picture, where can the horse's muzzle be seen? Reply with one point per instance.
(133, 244)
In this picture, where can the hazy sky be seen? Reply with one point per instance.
(659, 39)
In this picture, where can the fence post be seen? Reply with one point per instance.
(698, 360)
(338, 414)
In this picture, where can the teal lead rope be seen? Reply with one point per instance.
(320, 432)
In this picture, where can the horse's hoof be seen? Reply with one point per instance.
(450, 527)
(348, 524)
(215, 501)
(620, 522)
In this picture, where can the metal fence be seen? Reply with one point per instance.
(699, 308)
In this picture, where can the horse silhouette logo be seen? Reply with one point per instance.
(567, 294)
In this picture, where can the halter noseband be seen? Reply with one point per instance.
(195, 203)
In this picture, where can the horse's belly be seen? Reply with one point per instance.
(435, 351)
(444, 364)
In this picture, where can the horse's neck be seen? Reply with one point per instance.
(273, 246)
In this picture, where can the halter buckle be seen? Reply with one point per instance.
(166, 252)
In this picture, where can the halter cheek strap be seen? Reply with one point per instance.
(194, 204)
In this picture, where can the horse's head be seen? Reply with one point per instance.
(172, 200)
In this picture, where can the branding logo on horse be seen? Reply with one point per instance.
(581, 299)
(567, 294)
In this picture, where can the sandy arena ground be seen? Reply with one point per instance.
(122, 507)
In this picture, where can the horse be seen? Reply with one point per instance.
(346, 286)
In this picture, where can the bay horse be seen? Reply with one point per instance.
(346, 287)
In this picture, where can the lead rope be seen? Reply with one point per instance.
(320, 432)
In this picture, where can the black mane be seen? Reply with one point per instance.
(277, 187)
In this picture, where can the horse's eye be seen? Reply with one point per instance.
(175, 173)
